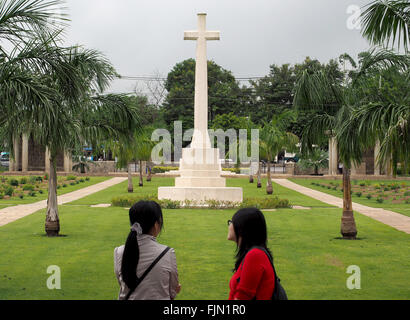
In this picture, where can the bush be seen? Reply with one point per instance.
(369, 196)
(359, 194)
(158, 169)
(32, 194)
(386, 189)
(46, 176)
(82, 180)
(28, 187)
(32, 180)
(14, 182)
(64, 185)
(23, 180)
(362, 184)
(380, 200)
(39, 179)
(40, 191)
(87, 179)
(407, 193)
(71, 178)
(21, 196)
(9, 191)
(1, 195)
(233, 170)
(377, 186)
(58, 187)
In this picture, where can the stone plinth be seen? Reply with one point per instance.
(200, 179)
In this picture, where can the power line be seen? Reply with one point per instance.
(152, 78)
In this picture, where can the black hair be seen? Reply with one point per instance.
(250, 225)
(146, 213)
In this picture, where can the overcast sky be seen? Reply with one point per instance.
(142, 37)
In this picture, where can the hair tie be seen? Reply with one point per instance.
(137, 228)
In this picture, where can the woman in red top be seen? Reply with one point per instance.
(254, 277)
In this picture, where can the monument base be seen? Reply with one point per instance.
(198, 194)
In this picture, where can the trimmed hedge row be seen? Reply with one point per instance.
(260, 203)
(158, 169)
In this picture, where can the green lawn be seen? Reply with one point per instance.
(27, 199)
(310, 258)
(402, 208)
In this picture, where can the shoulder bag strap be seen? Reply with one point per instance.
(139, 280)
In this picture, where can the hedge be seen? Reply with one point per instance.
(260, 203)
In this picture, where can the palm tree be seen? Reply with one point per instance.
(317, 158)
(387, 20)
(274, 138)
(313, 91)
(69, 113)
(144, 146)
(82, 164)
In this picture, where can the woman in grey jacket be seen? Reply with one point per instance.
(139, 252)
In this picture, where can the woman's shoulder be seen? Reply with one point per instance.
(118, 251)
(257, 254)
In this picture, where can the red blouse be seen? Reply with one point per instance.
(257, 279)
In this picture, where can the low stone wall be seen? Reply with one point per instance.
(298, 171)
(100, 167)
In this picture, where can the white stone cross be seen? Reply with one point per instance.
(200, 138)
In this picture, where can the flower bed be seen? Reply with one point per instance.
(18, 188)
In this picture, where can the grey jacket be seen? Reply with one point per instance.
(162, 281)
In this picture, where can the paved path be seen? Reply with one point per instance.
(393, 219)
(14, 213)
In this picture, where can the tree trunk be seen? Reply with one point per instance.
(149, 176)
(348, 226)
(259, 175)
(250, 178)
(316, 170)
(269, 188)
(130, 185)
(141, 180)
(52, 225)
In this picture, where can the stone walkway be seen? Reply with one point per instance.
(393, 219)
(14, 213)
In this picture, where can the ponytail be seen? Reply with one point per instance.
(143, 216)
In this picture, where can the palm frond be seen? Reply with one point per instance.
(386, 21)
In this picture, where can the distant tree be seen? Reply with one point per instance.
(82, 164)
(274, 138)
(316, 159)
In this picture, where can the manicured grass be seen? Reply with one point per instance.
(69, 188)
(310, 260)
(402, 208)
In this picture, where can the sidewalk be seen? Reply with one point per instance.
(393, 219)
(14, 213)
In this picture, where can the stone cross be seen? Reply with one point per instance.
(200, 138)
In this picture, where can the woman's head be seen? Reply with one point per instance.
(248, 229)
(148, 215)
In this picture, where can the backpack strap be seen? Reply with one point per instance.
(269, 257)
(139, 280)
